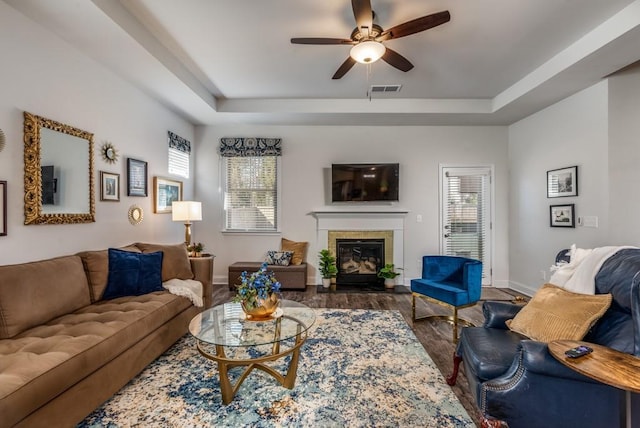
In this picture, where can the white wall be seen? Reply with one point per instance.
(624, 156)
(571, 132)
(45, 76)
(307, 154)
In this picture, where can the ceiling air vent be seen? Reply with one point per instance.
(378, 89)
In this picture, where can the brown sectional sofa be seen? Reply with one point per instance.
(64, 350)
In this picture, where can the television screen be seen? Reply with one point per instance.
(365, 182)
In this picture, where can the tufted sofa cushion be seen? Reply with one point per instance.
(44, 361)
(25, 301)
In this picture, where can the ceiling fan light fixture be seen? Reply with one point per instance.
(367, 52)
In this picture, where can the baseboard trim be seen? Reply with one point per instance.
(522, 288)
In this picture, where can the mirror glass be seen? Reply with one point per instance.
(58, 172)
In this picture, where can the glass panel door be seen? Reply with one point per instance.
(465, 215)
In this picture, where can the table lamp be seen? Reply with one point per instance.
(186, 211)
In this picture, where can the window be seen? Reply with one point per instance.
(179, 154)
(251, 193)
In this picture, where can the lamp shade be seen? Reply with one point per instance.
(186, 211)
(368, 51)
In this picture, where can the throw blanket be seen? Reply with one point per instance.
(188, 288)
(579, 274)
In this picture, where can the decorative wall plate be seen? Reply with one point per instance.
(109, 153)
(2, 140)
(135, 215)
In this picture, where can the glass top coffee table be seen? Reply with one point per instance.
(226, 326)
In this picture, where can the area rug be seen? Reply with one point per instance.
(359, 368)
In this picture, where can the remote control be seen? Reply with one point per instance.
(578, 351)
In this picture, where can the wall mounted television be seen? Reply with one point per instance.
(365, 182)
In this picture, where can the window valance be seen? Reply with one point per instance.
(243, 147)
(178, 143)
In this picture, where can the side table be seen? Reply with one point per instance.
(605, 365)
(202, 267)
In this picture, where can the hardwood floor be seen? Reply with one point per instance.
(434, 336)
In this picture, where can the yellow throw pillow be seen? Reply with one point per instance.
(299, 250)
(557, 314)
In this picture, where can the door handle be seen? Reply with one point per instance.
(447, 235)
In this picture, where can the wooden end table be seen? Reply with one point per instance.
(605, 365)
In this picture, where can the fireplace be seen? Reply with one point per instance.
(359, 260)
(362, 223)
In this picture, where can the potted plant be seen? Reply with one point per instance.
(327, 267)
(389, 273)
(195, 250)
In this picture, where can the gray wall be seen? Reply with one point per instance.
(308, 153)
(624, 156)
(43, 75)
(597, 130)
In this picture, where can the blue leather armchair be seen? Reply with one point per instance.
(518, 381)
(454, 282)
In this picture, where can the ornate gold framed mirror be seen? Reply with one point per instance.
(58, 173)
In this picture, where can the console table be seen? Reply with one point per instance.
(605, 365)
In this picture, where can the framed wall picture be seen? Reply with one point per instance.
(562, 215)
(136, 177)
(562, 182)
(3, 208)
(109, 186)
(165, 191)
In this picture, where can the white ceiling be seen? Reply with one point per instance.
(217, 61)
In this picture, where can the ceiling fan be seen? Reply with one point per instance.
(367, 38)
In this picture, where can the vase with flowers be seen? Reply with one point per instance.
(258, 293)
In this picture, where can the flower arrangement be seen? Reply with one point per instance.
(257, 288)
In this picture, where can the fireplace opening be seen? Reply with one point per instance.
(358, 262)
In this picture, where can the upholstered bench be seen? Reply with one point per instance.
(291, 276)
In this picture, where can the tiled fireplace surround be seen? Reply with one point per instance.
(384, 223)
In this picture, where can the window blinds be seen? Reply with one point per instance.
(251, 197)
(467, 215)
(179, 152)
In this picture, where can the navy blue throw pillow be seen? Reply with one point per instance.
(133, 274)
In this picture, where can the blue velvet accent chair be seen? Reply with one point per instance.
(450, 281)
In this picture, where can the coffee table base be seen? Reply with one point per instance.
(228, 390)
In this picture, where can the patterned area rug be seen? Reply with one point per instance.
(359, 368)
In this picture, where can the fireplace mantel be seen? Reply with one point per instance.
(375, 210)
(374, 218)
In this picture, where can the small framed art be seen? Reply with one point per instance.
(136, 177)
(165, 191)
(109, 186)
(562, 215)
(3, 208)
(562, 182)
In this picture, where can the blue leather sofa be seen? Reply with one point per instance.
(517, 381)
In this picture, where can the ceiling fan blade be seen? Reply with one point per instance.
(321, 41)
(396, 60)
(363, 13)
(346, 66)
(415, 26)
